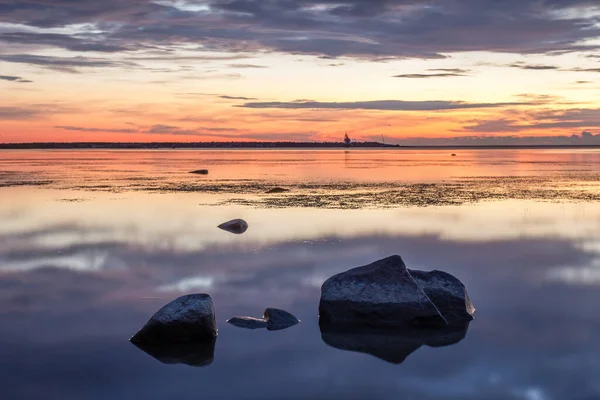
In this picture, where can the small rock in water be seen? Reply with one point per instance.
(247, 322)
(277, 190)
(279, 319)
(274, 320)
(453, 155)
(200, 172)
(237, 226)
(189, 318)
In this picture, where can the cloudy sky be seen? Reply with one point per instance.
(410, 71)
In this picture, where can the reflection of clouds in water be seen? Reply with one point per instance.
(178, 222)
(72, 293)
(587, 273)
(521, 333)
(583, 275)
(189, 285)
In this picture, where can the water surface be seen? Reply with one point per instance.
(93, 242)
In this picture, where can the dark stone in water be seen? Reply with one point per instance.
(274, 320)
(200, 172)
(247, 322)
(279, 319)
(277, 190)
(189, 318)
(453, 155)
(379, 294)
(385, 294)
(237, 226)
(196, 354)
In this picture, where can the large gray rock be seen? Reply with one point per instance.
(447, 293)
(237, 226)
(382, 294)
(279, 319)
(189, 318)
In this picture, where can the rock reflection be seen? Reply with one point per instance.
(390, 345)
(195, 354)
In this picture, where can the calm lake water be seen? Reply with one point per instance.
(92, 243)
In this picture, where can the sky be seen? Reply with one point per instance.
(414, 72)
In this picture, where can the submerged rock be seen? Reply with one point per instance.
(200, 172)
(277, 190)
(391, 345)
(189, 318)
(237, 226)
(386, 294)
(279, 319)
(196, 354)
(247, 322)
(381, 294)
(273, 319)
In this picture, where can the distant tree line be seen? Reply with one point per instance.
(189, 145)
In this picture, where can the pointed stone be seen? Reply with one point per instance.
(279, 319)
(381, 294)
(237, 226)
(189, 318)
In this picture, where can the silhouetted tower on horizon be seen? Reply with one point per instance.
(347, 140)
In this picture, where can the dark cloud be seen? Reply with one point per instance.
(246, 66)
(391, 105)
(155, 129)
(425, 76)
(585, 69)
(495, 125)
(198, 58)
(237, 98)
(11, 78)
(63, 41)
(583, 82)
(19, 113)
(105, 130)
(276, 136)
(583, 139)
(451, 70)
(573, 118)
(535, 67)
(354, 28)
(175, 130)
(64, 64)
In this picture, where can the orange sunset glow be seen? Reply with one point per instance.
(400, 71)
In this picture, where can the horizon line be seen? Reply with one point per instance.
(257, 144)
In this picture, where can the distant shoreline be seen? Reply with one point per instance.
(259, 145)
